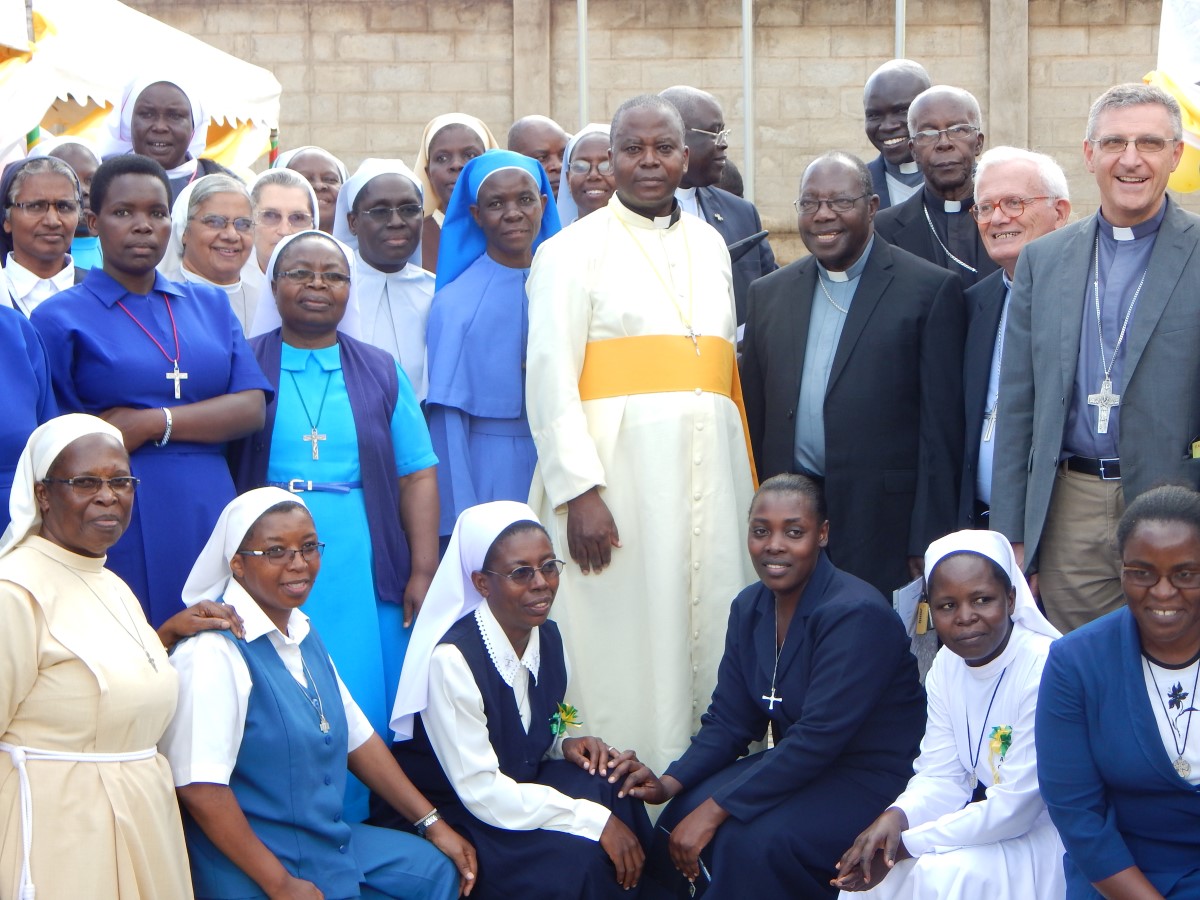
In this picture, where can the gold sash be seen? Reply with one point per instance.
(660, 364)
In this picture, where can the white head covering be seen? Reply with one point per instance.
(172, 260)
(41, 450)
(568, 211)
(995, 547)
(370, 168)
(451, 596)
(283, 160)
(120, 121)
(210, 576)
(431, 130)
(266, 316)
(46, 146)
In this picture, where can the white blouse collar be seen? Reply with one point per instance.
(500, 649)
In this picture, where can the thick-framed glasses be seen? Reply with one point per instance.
(1184, 579)
(38, 208)
(719, 137)
(551, 568)
(383, 214)
(89, 485)
(583, 167)
(959, 134)
(308, 276)
(838, 204)
(241, 224)
(279, 556)
(1147, 143)
(1012, 206)
(273, 218)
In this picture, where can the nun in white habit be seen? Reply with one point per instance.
(971, 824)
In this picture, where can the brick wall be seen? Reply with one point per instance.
(361, 77)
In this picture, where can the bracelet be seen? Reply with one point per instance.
(166, 431)
(422, 824)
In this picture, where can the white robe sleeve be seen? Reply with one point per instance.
(1010, 808)
(457, 728)
(559, 324)
(203, 740)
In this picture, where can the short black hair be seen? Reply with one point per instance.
(850, 161)
(998, 572)
(1164, 503)
(790, 483)
(648, 101)
(281, 507)
(126, 164)
(519, 527)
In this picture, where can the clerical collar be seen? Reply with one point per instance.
(950, 207)
(635, 218)
(906, 172)
(855, 269)
(1140, 230)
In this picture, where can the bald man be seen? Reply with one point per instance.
(699, 193)
(542, 139)
(887, 95)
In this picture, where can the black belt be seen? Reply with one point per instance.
(300, 486)
(1104, 469)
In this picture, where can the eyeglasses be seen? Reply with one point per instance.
(837, 204)
(583, 167)
(551, 568)
(89, 485)
(719, 137)
(272, 218)
(383, 214)
(241, 224)
(1012, 206)
(279, 556)
(1148, 143)
(1184, 580)
(308, 276)
(38, 208)
(960, 134)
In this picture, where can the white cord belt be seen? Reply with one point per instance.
(22, 755)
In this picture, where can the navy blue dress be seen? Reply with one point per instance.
(537, 864)
(28, 397)
(848, 728)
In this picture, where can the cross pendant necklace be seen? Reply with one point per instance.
(774, 698)
(174, 375)
(990, 417)
(314, 434)
(317, 705)
(1105, 400)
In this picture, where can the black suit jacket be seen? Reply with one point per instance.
(905, 226)
(735, 219)
(879, 181)
(985, 302)
(893, 406)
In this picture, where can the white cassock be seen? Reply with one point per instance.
(646, 634)
(394, 307)
(1004, 845)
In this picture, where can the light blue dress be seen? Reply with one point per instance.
(365, 637)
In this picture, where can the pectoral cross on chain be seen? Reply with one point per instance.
(772, 700)
(990, 419)
(314, 437)
(177, 376)
(695, 343)
(1105, 400)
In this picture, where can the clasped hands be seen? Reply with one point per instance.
(873, 853)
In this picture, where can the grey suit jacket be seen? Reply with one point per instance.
(1160, 401)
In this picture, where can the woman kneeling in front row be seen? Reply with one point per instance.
(483, 696)
(265, 731)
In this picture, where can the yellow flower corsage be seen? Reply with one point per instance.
(565, 716)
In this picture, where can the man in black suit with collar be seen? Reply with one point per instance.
(707, 140)
(888, 94)
(946, 135)
(1019, 196)
(852, 373)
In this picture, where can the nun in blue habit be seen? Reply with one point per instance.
(497, 217)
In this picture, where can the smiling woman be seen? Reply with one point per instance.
(41, 212)
(345, 431)
(1117, 762)
(497, 219)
